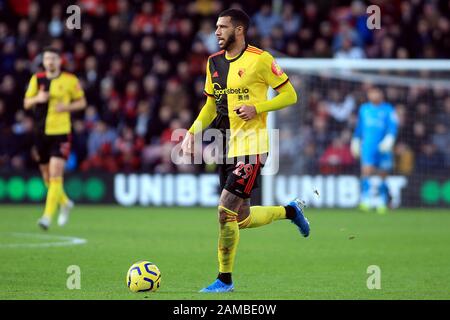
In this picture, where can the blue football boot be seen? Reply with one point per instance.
(300, 220)
(217, 287)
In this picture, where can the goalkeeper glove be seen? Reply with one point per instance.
(387, 143)
(355, 146)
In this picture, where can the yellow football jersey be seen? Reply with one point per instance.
(242, 80)
(65, 88)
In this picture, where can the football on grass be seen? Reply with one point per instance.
(143, 276)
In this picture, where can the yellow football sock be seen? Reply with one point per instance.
(64, 198)
(228, 241)
(53, 197)
(260, 216)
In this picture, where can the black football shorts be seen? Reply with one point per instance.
(240, 175)
(47, 146)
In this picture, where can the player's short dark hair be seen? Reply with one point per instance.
(238, 18)
(52, 50)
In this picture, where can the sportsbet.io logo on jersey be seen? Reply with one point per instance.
(243, 93)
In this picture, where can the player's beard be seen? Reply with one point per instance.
(54, 70)
(231, 39)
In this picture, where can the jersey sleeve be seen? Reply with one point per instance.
(209, 90)
(286, 96)
(32, 88)
(271, 72)
(392, 122)
(358, 129)
(76, 92)
(206, 116)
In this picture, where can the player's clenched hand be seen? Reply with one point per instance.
(60, 107)
(188, 143)
(246, 112)
(42, 96)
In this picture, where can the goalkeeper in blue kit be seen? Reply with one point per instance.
(373, 141)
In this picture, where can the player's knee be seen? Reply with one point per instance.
(226, 215)
(243, 213)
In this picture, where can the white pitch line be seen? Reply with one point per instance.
(64, 241)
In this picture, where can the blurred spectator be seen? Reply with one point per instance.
(321, 135)
(403, 124)
(321, 49)
(112, 115)
(404, 159)
(129, 102)
(207, 36)
(348, 51)
(101, 139)
(387, 48)
(9, 94)
(8, 56)
(143, 118)
(197, 60)
(21, 141)
(347, 34)
(337, 158)
(441, 139)
(79, 141)
(146, 20)
(278, 38)
(175, 96)
(129, 148)
(358, 12)
(429, 159)
(291, 20)
(56, 26)
(423, 111)
(311, 21)
(444, 116)
(340, 110)
(100, 149)
(91, 117)
(265, 20)
(419, 136)
(142, 63)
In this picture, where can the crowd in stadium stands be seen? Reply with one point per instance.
(325, 131)
(142, 67)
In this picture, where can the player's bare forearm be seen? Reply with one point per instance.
(287, 96)
(29, 103)
(41, 97)
(76, 105)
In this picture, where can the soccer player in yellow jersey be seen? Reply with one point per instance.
(237, 80)
(52, 95)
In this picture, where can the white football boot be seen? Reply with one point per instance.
(44, 223)
(64, 212)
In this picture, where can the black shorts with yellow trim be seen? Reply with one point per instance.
(47, 146)
(241, 175)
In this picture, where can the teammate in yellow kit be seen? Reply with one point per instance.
(237, 80)
(52, 95)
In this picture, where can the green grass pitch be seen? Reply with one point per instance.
(411, 247)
